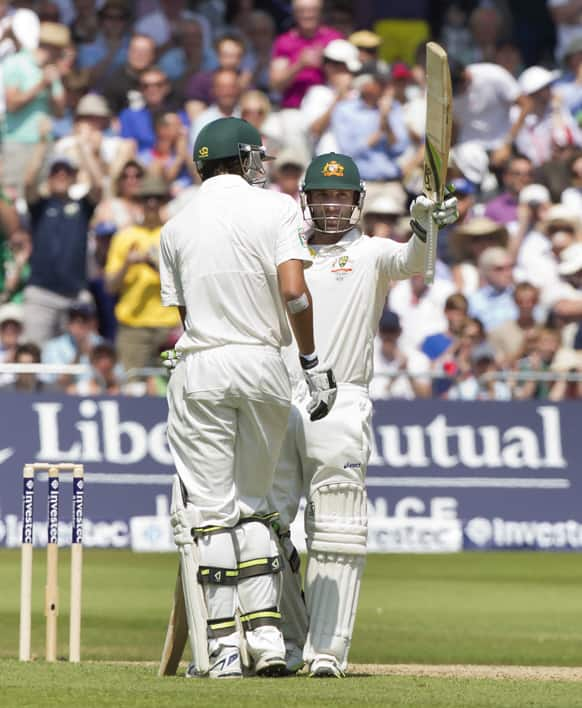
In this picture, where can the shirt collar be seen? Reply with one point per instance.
(345, 242)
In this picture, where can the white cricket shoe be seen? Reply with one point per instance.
(224, 663)
(325, 666)
(267, 650)
(293, 658)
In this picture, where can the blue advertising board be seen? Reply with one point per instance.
(443, 476)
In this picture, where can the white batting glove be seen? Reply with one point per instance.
(423, 209)
(170, 359)
(181, 528)
(322, 387)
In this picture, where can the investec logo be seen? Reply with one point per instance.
(28, 500)
(53, 515)
(78, 492)
(439, 444)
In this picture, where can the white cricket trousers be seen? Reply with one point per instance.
(225, 452)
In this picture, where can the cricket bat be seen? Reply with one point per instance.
(439, 121)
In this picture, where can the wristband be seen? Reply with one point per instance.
(308, 361)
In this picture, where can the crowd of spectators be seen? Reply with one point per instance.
(101, 101)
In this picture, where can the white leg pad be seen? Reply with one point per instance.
(336, 526)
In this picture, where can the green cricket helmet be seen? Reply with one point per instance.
(232, 137)
(330, 172)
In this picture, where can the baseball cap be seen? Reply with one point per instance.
(571, 260)
(401, 71)
(62, 161)
(341, 51)
(389, 322)
(535, 79)
(535, 194)
(365, 39)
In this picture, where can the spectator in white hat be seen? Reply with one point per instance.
(340, 63)
(544, 122)
(92, 127)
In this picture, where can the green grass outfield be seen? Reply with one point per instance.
(475, 608)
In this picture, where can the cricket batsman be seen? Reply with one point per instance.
(232, 262)
(349, 280)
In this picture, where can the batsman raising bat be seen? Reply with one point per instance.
(349, 280)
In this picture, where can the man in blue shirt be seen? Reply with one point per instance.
(371, 129)
(494, 303)
(59, 226)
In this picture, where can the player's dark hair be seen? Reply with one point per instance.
(224, 166)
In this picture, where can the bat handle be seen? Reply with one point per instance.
(431, 251)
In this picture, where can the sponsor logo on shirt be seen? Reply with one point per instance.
(333, 169)
(302, 240)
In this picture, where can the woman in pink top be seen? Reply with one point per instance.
(297, 55)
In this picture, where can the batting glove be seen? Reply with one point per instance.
(423, 208)
(170, 359)
(181, 528)
(322, 387)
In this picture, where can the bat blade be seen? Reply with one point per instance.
(437, 140)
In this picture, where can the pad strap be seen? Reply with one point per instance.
(221, 627)
(259, 566)
(260, 618)
(208, 575)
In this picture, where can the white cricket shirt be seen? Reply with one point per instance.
(348, 282)
(219, 258)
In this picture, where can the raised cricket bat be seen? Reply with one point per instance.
(439, 121)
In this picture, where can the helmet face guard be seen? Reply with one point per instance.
(251, 159)
(346, 217)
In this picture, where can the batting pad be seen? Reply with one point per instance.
(336, 538)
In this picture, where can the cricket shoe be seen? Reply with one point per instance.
(293, 658)
(325, 666)
(267, 650)
(224, 664)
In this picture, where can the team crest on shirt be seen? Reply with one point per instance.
(71, 209)
(333, 169)
(341, 267)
